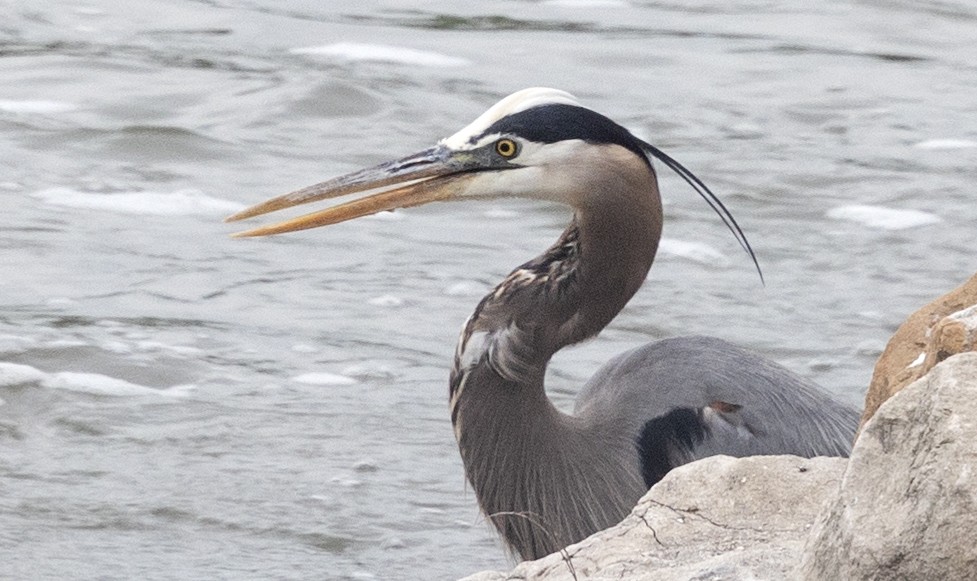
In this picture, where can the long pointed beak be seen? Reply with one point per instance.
(427, 176)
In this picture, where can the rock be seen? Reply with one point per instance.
(718, 518)
(900, 363)
(907, 506)
(956, 333)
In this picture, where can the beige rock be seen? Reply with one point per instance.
(899, 364)
(718, 518)
(907, 506)
(953, 334)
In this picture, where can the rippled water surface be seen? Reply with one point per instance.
(178, 404)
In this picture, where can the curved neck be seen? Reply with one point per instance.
(525, 459)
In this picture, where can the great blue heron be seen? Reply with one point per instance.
(544, 478)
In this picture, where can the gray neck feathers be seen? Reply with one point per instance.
(530, 464)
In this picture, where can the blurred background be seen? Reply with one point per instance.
(178, 404)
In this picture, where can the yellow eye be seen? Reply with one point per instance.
(506, 147)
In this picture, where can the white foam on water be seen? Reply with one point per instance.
(586, 3)
(17, 374)
(178, 203)
(355, 51)
(98, 384)
(147, 346)
(946, 144)
(386, 301)
(500, 213)
(65, 343)
(12, 374)
(371, 368)
(15, 343)
(466, 288)
(304, 348)
(323, 378)
(117, 347)
(694, 251)
(88, 11)
(39, 107)
(883, 218)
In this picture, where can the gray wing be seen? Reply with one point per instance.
(687, 398)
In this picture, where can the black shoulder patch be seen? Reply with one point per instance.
(560, 122)
(681, 427)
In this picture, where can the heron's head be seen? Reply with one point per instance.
(536, 143)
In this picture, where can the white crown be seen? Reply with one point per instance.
(514, 103)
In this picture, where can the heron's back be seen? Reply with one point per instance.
(686, 398)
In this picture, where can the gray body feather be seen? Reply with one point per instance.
(777, 411)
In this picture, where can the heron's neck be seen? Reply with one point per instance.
(521, 454)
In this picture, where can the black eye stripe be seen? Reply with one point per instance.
(561, 122)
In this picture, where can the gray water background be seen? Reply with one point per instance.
(197, 407)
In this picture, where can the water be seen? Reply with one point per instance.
(177, 404)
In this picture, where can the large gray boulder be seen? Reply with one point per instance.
(907, 507)
(719, 518)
